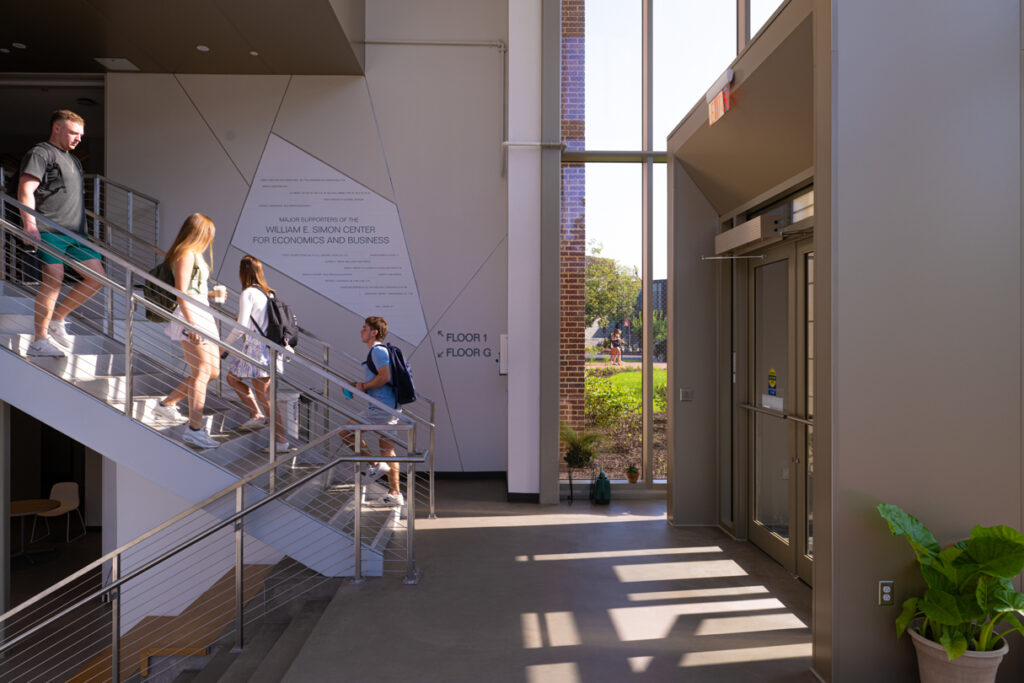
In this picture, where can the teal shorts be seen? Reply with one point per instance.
(73, 249)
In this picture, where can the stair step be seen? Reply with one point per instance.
(254, 651)
(18, 341)
(283, 653)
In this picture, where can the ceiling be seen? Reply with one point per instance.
(767, 137)
(158, 36)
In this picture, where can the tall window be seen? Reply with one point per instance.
(613, 252)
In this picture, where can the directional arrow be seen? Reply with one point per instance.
(440, 354)
(440, 333)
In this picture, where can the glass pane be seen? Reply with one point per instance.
(809, 454)
(613, 74)
(809, 464)
(760, 12)
(693, 44)
(659, 308)
(771, 372)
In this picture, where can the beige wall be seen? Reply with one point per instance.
(423, 129)
(926, 305)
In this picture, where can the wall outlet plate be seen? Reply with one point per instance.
(886, 593)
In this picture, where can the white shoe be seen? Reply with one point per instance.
(389, 500)
(45, 347)
(198, 438)
(281, 448)
(58, 330)
(168, 413)
(375, 471)
(253, 423)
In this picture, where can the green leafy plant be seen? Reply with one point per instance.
(632, 469)
(579, 446)
(970, 590)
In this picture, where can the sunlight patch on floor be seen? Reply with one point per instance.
(564, 519)
(749, 624)
(751, 654)
(601, 555)
(559, 628)
(638, 665)
(673, 571)
(696, 593)
(565, 672)
(650, 622)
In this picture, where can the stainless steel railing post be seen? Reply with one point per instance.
(357, 519)
(129, 346)
(96, 206)
(115, 620)
(433, 512)
(411, 577)
(131, 221)
(239, 552)
(272, 414)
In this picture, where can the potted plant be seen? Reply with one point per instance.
(632, 473)
(579, 450)
(955, 624)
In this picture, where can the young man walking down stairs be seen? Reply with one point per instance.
(51, 182)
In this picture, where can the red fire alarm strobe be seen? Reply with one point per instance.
(719, 97)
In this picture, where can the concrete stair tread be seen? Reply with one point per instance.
(287, 647)
(254, 651)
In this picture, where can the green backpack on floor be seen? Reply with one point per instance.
(601, 490)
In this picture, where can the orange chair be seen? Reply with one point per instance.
(65, 493)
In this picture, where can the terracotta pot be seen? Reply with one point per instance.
(632, 477)
(972, 667)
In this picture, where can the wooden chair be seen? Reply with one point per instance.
(65, 493)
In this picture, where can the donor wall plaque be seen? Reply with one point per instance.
(335, 236)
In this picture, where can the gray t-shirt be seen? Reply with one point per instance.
(59, 196)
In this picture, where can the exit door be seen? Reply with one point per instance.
(779, 411)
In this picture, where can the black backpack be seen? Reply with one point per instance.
(154, 294)
(282, 325)
(401, 374)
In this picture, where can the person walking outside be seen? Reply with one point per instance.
(51, 182)
(191, 275)
(252, 315)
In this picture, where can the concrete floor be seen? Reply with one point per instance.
(531, 593)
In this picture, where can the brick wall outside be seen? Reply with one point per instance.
(573, 217)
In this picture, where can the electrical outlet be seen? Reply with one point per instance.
(886, 593)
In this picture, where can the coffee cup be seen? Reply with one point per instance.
(219, 293)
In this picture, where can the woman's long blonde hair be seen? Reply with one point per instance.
(250, 273)
(196, 235)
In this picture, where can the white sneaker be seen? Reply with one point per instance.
(58, 330)
(281, 448)
(198, 438)
(168, 413)
(45, 347)
(253, 423)
(388, 501)
(373, 472)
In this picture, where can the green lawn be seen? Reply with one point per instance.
(631, 380)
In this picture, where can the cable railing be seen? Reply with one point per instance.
(196, 581)
(136, 213)
(328, 358)
(315, 392)
(129, 364)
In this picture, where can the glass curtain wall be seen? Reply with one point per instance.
(631, 70)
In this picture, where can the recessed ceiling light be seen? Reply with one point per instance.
(254, 53)
(5, 50)
(202, 48)
(86, 101)
(20, 46)
(116, 64)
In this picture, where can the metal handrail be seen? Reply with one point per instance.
(121, 186)
(184, 545)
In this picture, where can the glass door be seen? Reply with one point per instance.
(778, 411)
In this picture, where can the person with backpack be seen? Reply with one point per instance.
(378, 384)
(51, 182)
(191, 276)
(252, 315)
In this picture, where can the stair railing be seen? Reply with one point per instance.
(153, 365)
(337, 362)
(90, 626)
(113, 203)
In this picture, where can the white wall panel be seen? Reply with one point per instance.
(331, 118)
(240, 110)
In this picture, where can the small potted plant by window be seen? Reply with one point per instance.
(632, 473)
(959, 625)
(580, 448)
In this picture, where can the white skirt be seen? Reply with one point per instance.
(203, 320)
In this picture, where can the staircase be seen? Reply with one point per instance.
(304, 510)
